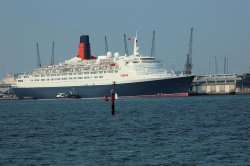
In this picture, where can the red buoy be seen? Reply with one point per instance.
(105, 98)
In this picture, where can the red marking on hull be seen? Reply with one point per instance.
(157, 95)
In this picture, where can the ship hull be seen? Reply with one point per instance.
(165, 87)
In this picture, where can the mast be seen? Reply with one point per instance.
(209, 67)
(126, 45)
(225, 62)
(216, 65)
(38, 57)
(189, 65)
(153, 46)
(136, 47)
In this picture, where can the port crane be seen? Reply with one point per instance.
(189, 65)
(38, 57)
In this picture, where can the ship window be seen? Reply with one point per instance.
(110, 71)
(36, 75)
(37, 80)
(64, 78)
(70, 73)
(86, 77)
(42, 79)
(20, 80)
(64, 74)
(100, 76)
(70, 78)
(58, 78)
(48, 79)
(53, 75)
(26, 76)
(79, 73)
(79, 77)
(58, 74)
(42, 75)
(96, 77)
(93, 72)
(86, 72)
(74, 73)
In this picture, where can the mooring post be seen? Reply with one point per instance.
(113, 101)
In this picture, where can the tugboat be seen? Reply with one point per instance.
(73, 95)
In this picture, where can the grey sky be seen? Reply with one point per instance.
(221, 27)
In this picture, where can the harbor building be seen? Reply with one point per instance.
(243, 86)
(221, 84)
(6, 84)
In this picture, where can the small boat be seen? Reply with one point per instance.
(66, 96)
(73, 94)
(61, 96)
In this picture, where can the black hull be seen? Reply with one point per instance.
(179, 85)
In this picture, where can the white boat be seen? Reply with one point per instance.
(61, 95)
(134, 76)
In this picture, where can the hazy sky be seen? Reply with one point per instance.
(221, 27)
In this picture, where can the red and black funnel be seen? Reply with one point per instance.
(84, 51)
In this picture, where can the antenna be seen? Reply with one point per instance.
(38, 57)
(189, 65)
(205, 69)
(126, 45)
(153, 46)
(216, 66)
(52, 56)
(106, 44)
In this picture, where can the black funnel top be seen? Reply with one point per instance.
(84, 39)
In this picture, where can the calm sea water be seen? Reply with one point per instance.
(206, 130)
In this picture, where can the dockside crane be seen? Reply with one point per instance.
(153, 46)
(106, 44)
(126, 45)
(38, 57)
(188, 64)
(53, 52)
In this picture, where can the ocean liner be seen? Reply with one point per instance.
(92, 77)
